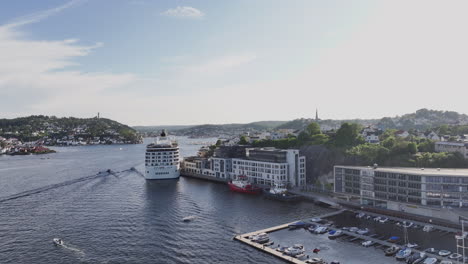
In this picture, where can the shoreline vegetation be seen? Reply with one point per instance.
(31, 135)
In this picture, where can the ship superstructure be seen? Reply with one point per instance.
(162, 158)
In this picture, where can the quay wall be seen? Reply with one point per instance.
(202, 177)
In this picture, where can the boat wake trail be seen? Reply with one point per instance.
(58, 185)
(74, 249)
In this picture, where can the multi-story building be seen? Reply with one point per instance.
(265, 166)
(271, 166)
(393, 187)
(459, 147)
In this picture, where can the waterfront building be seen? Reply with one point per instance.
(391, 188)
(264, 166)
(459, 147)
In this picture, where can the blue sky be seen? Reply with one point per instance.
(146, 62)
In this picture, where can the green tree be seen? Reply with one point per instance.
(426, 146)
(348, 135)
(412, 148)
(313, 129)
(219, 142)
(389, 142)
(243, 140)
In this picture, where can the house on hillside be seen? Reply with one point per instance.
(432, 136)
(402, 134)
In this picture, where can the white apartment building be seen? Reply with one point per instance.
(459, 147)
(271, 166)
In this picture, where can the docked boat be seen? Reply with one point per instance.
(390, 251)
(58, 241)
(242, 185)
(353, 229)
(403, 254)
(362, 231)
(281, 249)
(431, 251)
(428, 228)
(315, 261)
(368, 243)
(321, 230)
(383, 220)
(407, 224)
(430, 261)
(301, 256)
(316, 219)
(446, 262)
(416, 258)
(280, 193)
(299, 224)
(261, 238)
(393, 239)
(294, 251)
(162, 159)
(411, 245)
(444, 253)
(334, 234)
(455, 256)
(360, 215)
(377, 218)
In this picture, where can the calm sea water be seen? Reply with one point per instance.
(124, 218)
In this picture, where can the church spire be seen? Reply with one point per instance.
(316, 115)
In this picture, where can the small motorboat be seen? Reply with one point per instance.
(444, 253)
(455, 256)
(392, 250)
(377, 219)
(335, 234)
(281, 249)
(431, 251)
(407, 224)
(321, 230)
(316, 219)
(383, 220)
(446, 262)
(403, 254)
(362, 231)
(428, 228)
(411, 245)
(299, 224)
(345, 228)
(360, 215)
(393, 239)
(188, 218)
(261, 238)
(353, 229)
(270, 243)
(58, 241)
(315, 261)
(368, 243)
(293, 251)
(430, 261)
(416, 258)
(301, 256)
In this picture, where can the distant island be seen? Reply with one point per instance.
(30, 134)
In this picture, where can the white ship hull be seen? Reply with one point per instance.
(162, 173)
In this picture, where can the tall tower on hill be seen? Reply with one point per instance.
(316, 115)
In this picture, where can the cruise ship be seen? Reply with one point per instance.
(162, 159)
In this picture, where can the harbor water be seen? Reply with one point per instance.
(121, 217)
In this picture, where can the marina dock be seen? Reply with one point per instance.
(244, 239)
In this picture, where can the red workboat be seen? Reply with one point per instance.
(243, 185)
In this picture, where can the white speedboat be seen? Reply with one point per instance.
(58, 241)
(360, 215)
(316, 219)
(293, 251)
(407, 224)
(455, 256)
(188, 218)
(321, 230)
(368, 243)
(428, 228)
(430, 261)
(362, 231)
(444, 253)
(377, 218)
(411, 245)
(403, 254)
(353, 229)
(315, 261)
(383, 220)
(334, 234)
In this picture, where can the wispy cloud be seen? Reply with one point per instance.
(221, 64)
(36, 17)
(184, 12)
